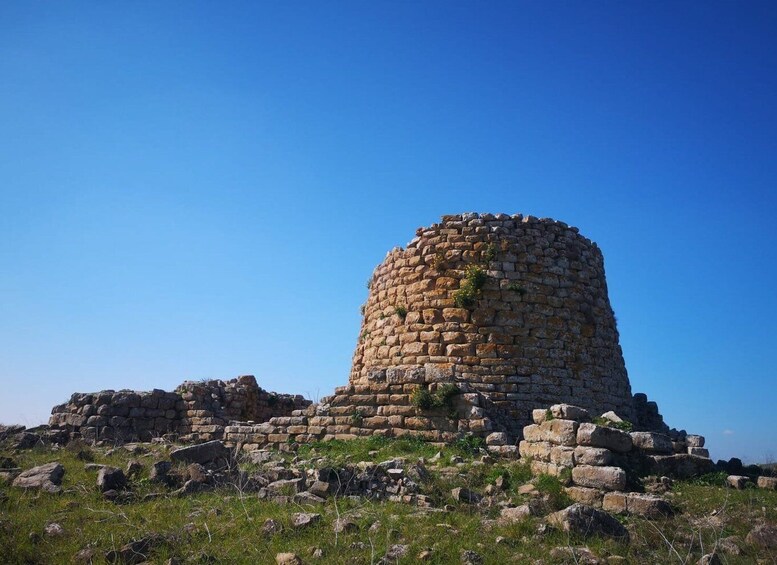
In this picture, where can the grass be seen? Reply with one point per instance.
(224, 526)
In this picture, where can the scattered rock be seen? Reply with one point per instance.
(159, 472)
(579, 555)
(709, 559)
(397, 551)
(469, 557)
(304, 519)
(288, 559)
(730, 545)
(763, 535)
(514, 514)
(46, 477)
(53, 529)
(87, 555)
(343, 525)
(587, 521)
(111, 478)
(424, 555)
(136, 551)
(134, 468)
(271, 527)
(738, 482)
(767, 482)
(461, 494)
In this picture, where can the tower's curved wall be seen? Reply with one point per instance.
(540, 330)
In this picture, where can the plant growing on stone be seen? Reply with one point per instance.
(357, 418)
(471, 286)
(490, 253)
(515, 287)
(422, 398)
(624, 426)
(401, 311)
(438, 262)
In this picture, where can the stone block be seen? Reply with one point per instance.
(767, 483)
(601, 436)
(699, 452)
(651, 442)
(585, 495)
(605, 478)
(570, 412)
(559, 432)
(598, 456)
(637, 504)
(562, 455)
(693, 440)
(738, 482)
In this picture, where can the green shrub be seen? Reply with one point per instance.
(624, 426)
(490, 253)
(357, 418)
(401, 311)
(474, 279)
(422, 398)
(441, 398)
(469, 444)
(515, 287)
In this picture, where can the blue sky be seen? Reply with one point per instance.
(201, 189)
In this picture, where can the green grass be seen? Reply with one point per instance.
(224, 526)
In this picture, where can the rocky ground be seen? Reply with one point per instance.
(365, 501)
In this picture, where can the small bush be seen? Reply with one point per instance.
(469, 444)
(623, 426)
(357, 418)
(441, 398)
(490, 253)
(474, 279)
(401, 311)
(515, 287)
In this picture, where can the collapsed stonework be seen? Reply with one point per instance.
(479, 320)
(195, 411)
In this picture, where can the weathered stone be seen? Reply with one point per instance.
(111, 478)
(633, 503)
(699, 451)
(271, 527)
(598, 456)
(679, 466)
(605, 478)
(397, 551)
(46, 477)
(587, 521)
(651, 442)
(497, 438)
(763, 535)
(301, 520)
(694, 440)
(514, 514)
(559, 432)
(738, 482)
(288, 559)
(570, 412)
(53, 529)
(470, 557)
(562, 455)
(585, 495)
(345, 525)
(767, 483)
(201, 453)
(602, 436)
(461, 494)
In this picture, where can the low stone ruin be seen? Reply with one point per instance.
(195, 411)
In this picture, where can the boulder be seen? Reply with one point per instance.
(601, 436)
(587, 521)
(201, 453)
(604, 478)
(497, 438)
(652, 442)
(514, 514)
(46, 477)
(111, 478)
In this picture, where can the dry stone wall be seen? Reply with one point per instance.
(195, 411)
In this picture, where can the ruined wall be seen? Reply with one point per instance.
(196, 411)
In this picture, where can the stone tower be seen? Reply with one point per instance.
(514, 308)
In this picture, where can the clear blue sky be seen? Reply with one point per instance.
(201, 189)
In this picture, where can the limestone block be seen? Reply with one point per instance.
(585, 495)
(693, 440)
(497, 438)
(601, 436)
(767, 483)
(699, 452)
(539, 415)
(638, 504)
(738, 482)
(587, 521)
(560, 432)
(562, 455)
(539, 450)
(651, 442)
(605, 478)
(532, 433)
(598, 456)
(570, 412)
